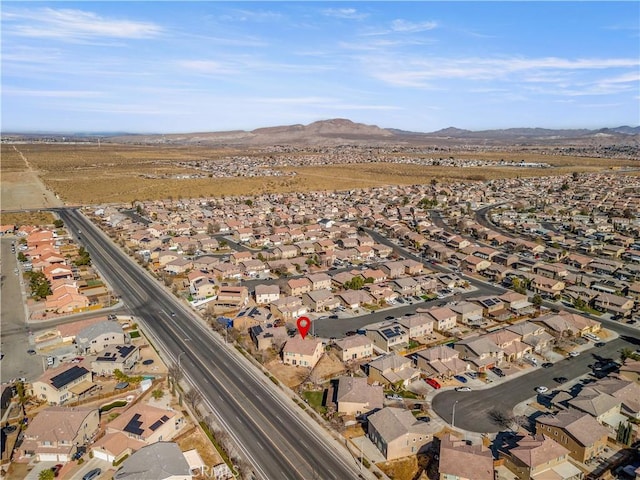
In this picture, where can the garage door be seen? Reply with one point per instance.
(102, 455)
(48, 457)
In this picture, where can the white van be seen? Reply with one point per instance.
(50, 361)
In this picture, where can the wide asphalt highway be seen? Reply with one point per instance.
(276, 436)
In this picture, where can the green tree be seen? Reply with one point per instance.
(83, 257)
(46, 474)
(58, 223)
(39, 285)
(157, 394)
(356, 283)
(579, 303)
(537, 300)
(22, 257)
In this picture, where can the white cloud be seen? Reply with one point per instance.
(346, 13)
(74, 25)
(9, 91)
(405, 26)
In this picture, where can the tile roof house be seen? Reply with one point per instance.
(115, 357)
(444, 317)
(146, 423)
(387, 336)
(577, 431)
(59, 385)
(459, 460)
(266, 294)
(355, 347)
(159, 461)
(564, 323)
(355, 396)
(397, 433)
(419, 325)
(320, 300)
(441, 361)
(392, 369)
(98, 336)
(539, 457)
(480, 351)
(55, 433)
(302, 352)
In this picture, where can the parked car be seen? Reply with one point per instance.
(434, 383)
(395, 396)
(561, 379)
(460, 378)
(547, 365)
(463, 389)
(542, 389)
(56, 469)
(497, 371)
(31, 351)
(91, 474)
(599, 344)
(574, 354)
(472, 375)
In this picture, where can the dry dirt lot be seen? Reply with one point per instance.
(88, 174)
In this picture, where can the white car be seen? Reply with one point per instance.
(574, 354)
(463, 389)
(542, 389)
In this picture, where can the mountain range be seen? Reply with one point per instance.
(339, 131)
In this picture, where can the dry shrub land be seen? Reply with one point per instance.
(86, 173)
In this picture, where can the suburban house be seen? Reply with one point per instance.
(388, 336)
(160, 461)
(288, 308)
(420, 325)
(604, 407)
(113, 447)
(567, 324)
(355, 347)
(59, 385)
(55, 433)
(298, 286)
(355, 298)
(146, 423)
(320, 300)
(441, 361)
(577, 431)
(467, 312)
(232, 296)
(444, 318)
(302, 352)
(460, 461)
(510, 343)
(265, 338)
(320, 281)
(355, 396)
(98, 336)
(397, 433)
(392, 369)
(116, 357)
(533, 335)
(480, 351)
(614, 304)
(539, 456)
(65, 297)
(265, 294)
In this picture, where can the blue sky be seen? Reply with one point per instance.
(211, 66)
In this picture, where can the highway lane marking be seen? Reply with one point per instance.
(150, 286)
(198, 363)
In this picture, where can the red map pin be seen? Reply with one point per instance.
(303, 324)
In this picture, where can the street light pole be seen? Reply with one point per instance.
(453, 414)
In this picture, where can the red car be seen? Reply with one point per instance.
(56, 469)
(434, 383)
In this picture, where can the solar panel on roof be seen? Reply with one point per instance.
(164, 418)
(68, 376)
(489, 302)
(134, 425)
(125, 350)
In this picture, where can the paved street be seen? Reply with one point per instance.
(473, 408)
(14, 332)
(268, 427)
